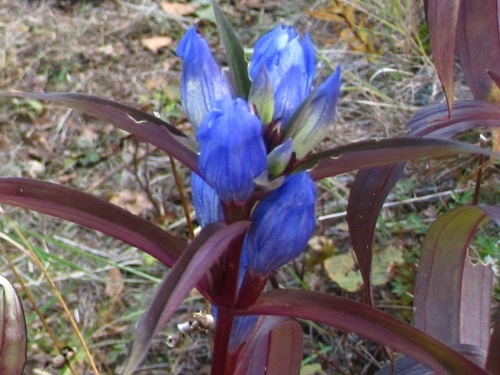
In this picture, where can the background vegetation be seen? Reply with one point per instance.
(124, 49)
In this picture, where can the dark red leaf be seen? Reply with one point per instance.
(92, 212)
(479, 46)
(141, 124)
(362, 213)
(453, 297)
(193, 264)
(366, 321)
(367, 154)
(407, 366)
(442, 19)
(372, 186)
(433, 121)
(493, 358)
(273, 339)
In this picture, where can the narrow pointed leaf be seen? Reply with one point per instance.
(273, 339)
(433, 121)
(234, 52)
(366, 321)
(479, 46)
(141, 124)
(408, 366)
(367, 154)
(360, 213)
(92, 212)
(442, 19)
(448, 306)
(372, 185)
(192, 265)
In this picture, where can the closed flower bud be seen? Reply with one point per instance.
(12, 331)
(311, 122)
(202, 80)
(282, 223)
(290, 62)
(232, 150)
(206, 202)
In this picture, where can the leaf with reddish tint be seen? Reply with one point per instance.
(479, 46)
(273, 339)
(447, 305)
(365, 321)
(141, 124)
(367, 154)
(92, 212)
(493, 358)
(362, 213)
(408, 366)
(372, 185)
(442, 19)
(193, 264)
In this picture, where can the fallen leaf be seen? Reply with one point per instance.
(114, 284)
(341, 268)
(132, 201)
(155, 43)
(178, 9)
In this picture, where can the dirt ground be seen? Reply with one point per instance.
(124, 50)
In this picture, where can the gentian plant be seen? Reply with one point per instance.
(253, 181)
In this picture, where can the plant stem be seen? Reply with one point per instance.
(222, 334)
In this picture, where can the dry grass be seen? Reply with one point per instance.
(95, 47)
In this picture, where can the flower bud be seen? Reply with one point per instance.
(290, 62)
(232, 150)
(262, 95)
(12, 330)
(206, 202)
(282, 223)
(278, 159)
(202, 80)
(311, 122)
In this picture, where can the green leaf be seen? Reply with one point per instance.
(341, 268)
(234, 52)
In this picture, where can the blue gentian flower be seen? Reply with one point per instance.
(232, 150)
(290, 62)
(282, 223)
(202, 80)
(206, 202)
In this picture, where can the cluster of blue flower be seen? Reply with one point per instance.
(244, 141)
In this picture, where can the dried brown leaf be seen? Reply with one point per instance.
(155, 43)
(178, 9)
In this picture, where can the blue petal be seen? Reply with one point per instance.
(202, 80)
(206, 202)
(290, 62)
(232, 150)
(282, 224)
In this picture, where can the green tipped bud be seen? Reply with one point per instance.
(278, 159)
(262, 95)
(311, 121)
(12, 330)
